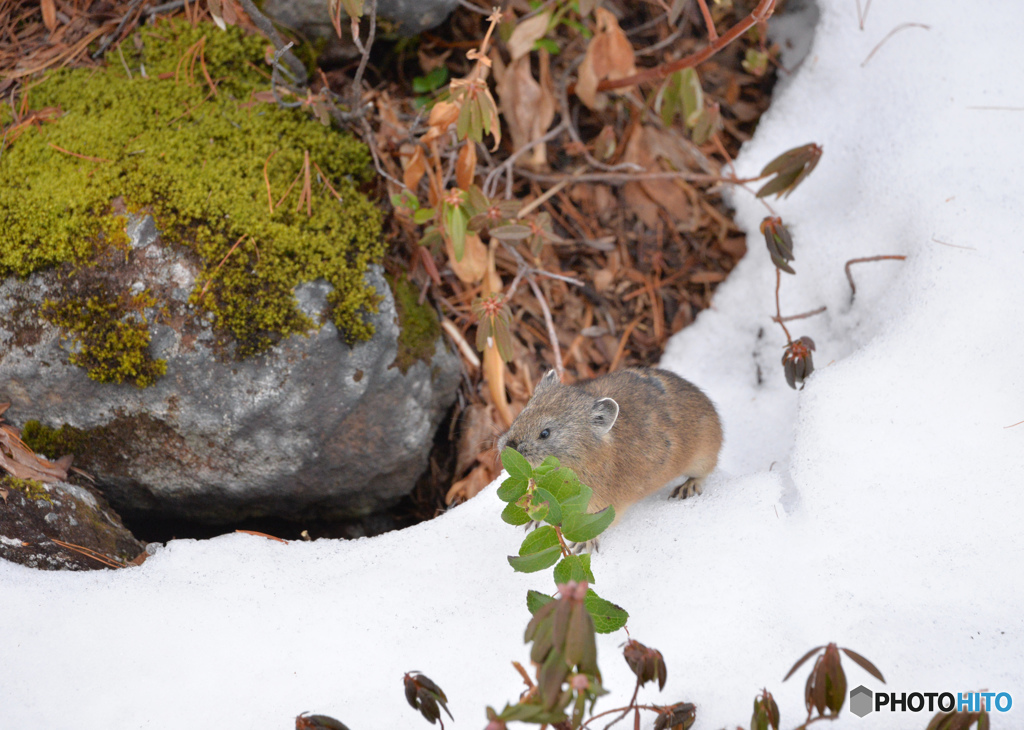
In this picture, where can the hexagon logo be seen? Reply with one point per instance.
(860, 701)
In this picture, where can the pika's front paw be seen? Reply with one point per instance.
(589, 546)
(689, 488)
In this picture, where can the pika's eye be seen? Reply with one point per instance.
(545, 433)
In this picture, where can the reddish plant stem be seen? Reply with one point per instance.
(778, 308)
(712, 33)
(849, 276)
(762, 12)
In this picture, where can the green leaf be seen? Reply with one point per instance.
(537, 511)
(513, 514)
(562, 483)
(516, 464)
(462, 123)
(431, 82)
(577, 504)
(456, 223)
(692, 96)
(536, 599)
(535, 561)
(423, 215)
(554, 515)
(583, 527)
(549, 464)
(548, 45)
(540, 539)
(574, 567)
(607, 616)
(512, 489)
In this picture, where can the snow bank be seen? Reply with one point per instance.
(878, 508)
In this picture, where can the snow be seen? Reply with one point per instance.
(878, 508)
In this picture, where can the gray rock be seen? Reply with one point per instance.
(33, 515)
(312, 18)
(314, 429)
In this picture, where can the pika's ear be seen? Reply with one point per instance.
(603, 415)
(549, 380)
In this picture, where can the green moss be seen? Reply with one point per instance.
(53, 443)
(418, 325)
(111, 345)
(30, 488)
(199, 161)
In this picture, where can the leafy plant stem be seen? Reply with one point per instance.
(760, 13)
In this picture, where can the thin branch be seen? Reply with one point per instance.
(371, 10)
(805, 315)
(89, 553)
(849, 276)
(890, 34)
(778, 309)
(708, 21)
(862, 15)
(491, 179)
(552, 335)
(75, 154)
(267, 28)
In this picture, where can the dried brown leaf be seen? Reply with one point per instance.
(526, 34)
(415, 168)
(465, 165)
(49, 9)
(467, 488)
(473, 265)
(609, 56)
(528, 105)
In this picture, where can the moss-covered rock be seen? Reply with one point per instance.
(263, 198)
(34, 516)
(418, 325)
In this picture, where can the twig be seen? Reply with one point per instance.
(490, 180)
(632, 702)
(890, 34)
(371, 10)
(708, 21)
(75, 154)
(87, 552)
(778, 309)
(230, 251)
(117, 32)
(327, 182)
(539, 201)
(266, 179)
(862, 16)
(555, 347)
(1014, 424)
(461, 343)
(617, 178)
(762, 12)
(622, 343)
(805, 315)
(953, 245)
(262, 534)
(164, 8)
(267, 28)
(849, 276)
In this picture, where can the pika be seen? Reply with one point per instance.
(627, 434)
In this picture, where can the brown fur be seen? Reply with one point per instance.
(665, 432)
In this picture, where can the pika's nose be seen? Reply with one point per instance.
(513, 444)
